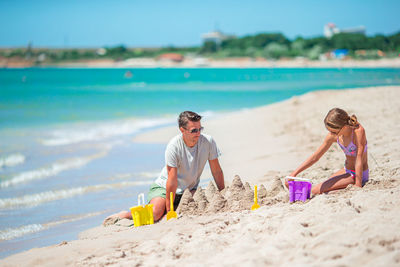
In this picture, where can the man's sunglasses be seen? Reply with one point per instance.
(195, 130)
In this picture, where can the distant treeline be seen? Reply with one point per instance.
(265, 45)
(270, 45)
(117, 53)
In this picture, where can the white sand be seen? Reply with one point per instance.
(350, 227)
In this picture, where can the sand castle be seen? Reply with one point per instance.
(235, 197)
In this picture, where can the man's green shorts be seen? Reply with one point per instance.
(156, 191)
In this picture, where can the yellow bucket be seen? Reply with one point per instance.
(142, 214)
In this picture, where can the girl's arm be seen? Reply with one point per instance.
(361, 141)
(329, 139)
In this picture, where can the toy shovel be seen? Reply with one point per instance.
(255, 205)
(171, 213)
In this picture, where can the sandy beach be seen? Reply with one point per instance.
(350, 227)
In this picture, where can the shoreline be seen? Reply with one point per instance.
(262, 145)
(213, 63)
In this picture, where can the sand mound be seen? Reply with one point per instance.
(262, 194)
(187, 205)
(210, 191)
(236, 191)
(200, 199)
(275, 187)
(237, 197)
(223, 191)
(247, 187)
(217, 204)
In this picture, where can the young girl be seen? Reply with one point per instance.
(350, 136)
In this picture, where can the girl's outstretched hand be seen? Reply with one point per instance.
(287, 180)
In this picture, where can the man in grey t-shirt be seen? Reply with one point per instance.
(185, 158)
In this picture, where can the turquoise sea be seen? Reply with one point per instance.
(67, 159)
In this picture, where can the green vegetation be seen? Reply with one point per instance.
(276, 46)
(264, 45)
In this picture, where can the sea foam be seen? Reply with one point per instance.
(11, 160)
(101, 131)
(48, 196)
(51, 170)
(11, 233)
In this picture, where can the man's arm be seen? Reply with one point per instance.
(172, 185)
(217, 173)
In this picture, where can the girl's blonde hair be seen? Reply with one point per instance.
(337, 118)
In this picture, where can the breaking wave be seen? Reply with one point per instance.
(48, 196)
(52, 170)
(11, 160)
(100, 131)
(11, 233)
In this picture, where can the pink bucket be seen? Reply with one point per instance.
(299, 190)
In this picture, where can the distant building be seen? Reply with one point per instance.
(173, 57)
(216, 36)
(339, 53)
(359, 29)
(101, 51)
(330, 29)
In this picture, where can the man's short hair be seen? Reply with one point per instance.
(186, 116)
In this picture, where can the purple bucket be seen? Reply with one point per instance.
(299, 190)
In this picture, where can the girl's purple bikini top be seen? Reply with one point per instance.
(351, 149)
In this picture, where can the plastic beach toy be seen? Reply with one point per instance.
(142, 214)
(299, 189)
(171, 213)
(255, 205)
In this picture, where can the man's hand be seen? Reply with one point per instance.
(172, 185)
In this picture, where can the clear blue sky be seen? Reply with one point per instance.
(146, 23)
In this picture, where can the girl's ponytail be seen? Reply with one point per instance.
(353, 121)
